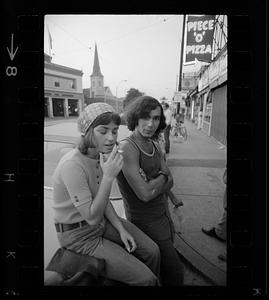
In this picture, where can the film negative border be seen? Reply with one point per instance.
(22, 252)
(242, 159)
(23, 218)
(239, 130)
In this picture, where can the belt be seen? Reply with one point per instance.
(60, 227)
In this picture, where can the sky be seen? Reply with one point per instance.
(142, 49)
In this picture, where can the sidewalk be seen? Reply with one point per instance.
(197, 166)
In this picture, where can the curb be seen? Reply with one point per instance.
(197, 261)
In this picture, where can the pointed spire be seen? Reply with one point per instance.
(96, 67)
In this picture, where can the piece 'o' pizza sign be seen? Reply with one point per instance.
(199, 41)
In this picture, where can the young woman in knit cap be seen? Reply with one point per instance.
(85, 220)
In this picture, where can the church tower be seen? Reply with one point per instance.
(97, 78)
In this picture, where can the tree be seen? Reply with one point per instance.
(131, 95)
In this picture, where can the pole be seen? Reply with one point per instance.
(181, 53)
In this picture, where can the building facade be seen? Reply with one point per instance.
(63, 93)
(206, 85)
(210, 97)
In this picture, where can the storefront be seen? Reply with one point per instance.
(218, 87)
(58, 107)
(212, 95)
(207, 112)
(63, 93)
(219, 114)
(203, 89)
(61, 106)
(73, 108)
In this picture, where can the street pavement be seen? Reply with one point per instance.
(197, 165)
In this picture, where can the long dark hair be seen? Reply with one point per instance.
(140, 109)
(86, 141)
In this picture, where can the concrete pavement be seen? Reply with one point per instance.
(197, 166)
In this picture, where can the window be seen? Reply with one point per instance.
(72, 84)
(99, 83)
(57, 83)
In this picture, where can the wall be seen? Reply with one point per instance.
(64, 83)
(53, 74)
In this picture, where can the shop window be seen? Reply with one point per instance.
(73, 107)
(58, 107)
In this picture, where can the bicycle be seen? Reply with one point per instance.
(180, 131)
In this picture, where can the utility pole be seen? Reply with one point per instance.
(181, 53)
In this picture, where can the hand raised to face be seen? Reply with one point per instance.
(111, 164)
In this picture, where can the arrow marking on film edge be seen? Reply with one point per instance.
(11, 53)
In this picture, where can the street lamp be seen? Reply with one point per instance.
(124, 80)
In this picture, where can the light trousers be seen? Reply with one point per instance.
(140, 268)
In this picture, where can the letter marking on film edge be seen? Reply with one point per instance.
(11, 254)
(8, 177)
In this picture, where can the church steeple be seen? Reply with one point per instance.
(96, 67)
(97, 78)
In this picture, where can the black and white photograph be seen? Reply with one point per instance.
(135, 150)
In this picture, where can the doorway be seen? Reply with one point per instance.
(58, 107)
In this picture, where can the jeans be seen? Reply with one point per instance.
(221, 228)
(160, 230)
(140, 268)
(167, 138)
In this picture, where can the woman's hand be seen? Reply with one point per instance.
(128, 240)
(113, 165)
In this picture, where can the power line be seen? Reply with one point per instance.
(163, 20)
(117, 38)
(137, 30)
(84, 45)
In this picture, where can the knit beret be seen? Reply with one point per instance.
(90, 113)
